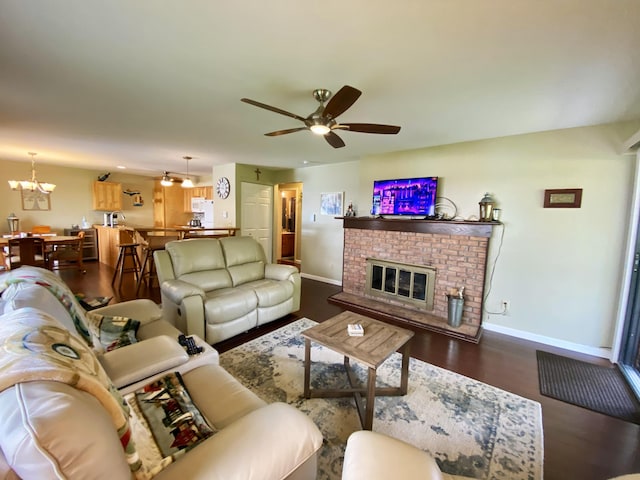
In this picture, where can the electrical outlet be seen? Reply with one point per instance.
(506, 305)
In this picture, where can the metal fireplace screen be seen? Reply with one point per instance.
(408, 284)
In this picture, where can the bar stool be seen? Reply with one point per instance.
(148, 269)
(150, 245)
(127, 250)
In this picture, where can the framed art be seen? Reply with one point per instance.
(35, 200)
(331, 203)
(563, 198)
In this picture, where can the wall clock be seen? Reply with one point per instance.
(223, 187)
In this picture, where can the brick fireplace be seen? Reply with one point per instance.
(456, 250)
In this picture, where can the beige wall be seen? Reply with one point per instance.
(72, 198)
(560, 269)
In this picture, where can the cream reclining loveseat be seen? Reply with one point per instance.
(52, 428)
(218, 288)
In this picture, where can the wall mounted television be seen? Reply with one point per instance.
(405, 196)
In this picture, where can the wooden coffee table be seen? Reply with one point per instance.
(379, 341)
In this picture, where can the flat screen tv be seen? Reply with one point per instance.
(405, 196)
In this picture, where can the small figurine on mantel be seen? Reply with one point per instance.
(350, 211)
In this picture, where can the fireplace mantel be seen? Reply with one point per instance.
(441, 227)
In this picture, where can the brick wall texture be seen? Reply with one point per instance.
(459, 260)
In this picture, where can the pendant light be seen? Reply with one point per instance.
(187, 183)
(32, 184)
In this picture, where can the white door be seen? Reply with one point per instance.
(256, 214)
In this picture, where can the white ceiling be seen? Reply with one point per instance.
(100, 83)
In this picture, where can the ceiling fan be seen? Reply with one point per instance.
(323, 120)
(167, 179)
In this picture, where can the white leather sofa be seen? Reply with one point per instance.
(218, 288)
(50, 429)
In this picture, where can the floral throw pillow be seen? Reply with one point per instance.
(113, 331)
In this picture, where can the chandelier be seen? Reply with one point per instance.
(32, 184)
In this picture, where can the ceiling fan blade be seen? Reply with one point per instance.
(284, 132)
(334, 140)
(272, 109)
(370, 128)
(341, 101)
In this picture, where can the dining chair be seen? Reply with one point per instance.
(41, 229)
(30, 251)
(68, 254)
(4, 262)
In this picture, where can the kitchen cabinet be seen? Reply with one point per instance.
(109, 240)
(90, 243)
(189, 193)
(168, 206)
(107, 196)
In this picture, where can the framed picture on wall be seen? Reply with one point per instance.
(35, 200)
(331, 203)
(563, 198)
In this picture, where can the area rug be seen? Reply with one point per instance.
(471, 428)
(596, 387)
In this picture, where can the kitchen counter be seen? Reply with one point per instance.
(184, 230)
(109, 240)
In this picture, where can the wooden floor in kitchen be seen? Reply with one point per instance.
(578, 443)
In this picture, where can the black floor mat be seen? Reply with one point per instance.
(598, 388)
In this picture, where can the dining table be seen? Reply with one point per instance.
(49, 240)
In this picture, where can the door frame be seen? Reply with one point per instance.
(629, 304)
(277, 231)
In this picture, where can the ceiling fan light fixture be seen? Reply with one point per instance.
(322, 121)
(319, 129)
(166, 181)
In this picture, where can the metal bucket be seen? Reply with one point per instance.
(454, 313)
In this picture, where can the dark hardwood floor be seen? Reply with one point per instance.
(578, 443)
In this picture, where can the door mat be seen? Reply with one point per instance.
(598, 388)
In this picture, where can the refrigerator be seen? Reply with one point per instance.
(203, 210)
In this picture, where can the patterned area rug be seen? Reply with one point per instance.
(471, 428)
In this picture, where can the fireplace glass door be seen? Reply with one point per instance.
(409, 284)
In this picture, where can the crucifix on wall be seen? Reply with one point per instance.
(257, 172)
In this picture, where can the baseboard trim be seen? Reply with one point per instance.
(554, 342)
(322, 279)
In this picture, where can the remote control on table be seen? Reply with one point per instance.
(190, 344)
